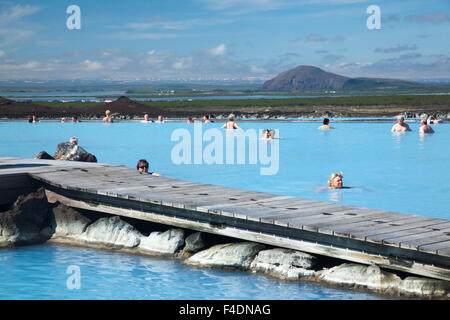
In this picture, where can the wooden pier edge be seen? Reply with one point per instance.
(409, 266)
(409, 243)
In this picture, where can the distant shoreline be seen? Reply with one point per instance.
(221, 121)
(124, 108)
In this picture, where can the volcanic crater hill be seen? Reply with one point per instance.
(309, 78)
(125, 106)
(305, 78)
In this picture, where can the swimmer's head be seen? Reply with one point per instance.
(107, 112)
(400, 119)
(326, 121)
(74, 140)
(142, 165)
(335, 181)
(231, 117)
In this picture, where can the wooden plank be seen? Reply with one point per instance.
(354, 215)
(351, 230)
(275, 212)
(402, 235)
(441, 248)
(289, 203)
(317, 215)
(308, 211)
(400, 225)
(420, 236)
(248, 202)
(352, 226)
(376, 222)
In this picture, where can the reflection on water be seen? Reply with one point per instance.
(398, 136)
(40, 272)
(422, 138)
(335, 195)
(369, 154)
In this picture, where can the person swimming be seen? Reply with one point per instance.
(142, 166)
(424, 127)
(325, 125)
(147, 119)
(206, 119)
(107, 118)
(231, 124)
(336, 181)
(74, 141)
(268, 134)
(160, 119)
(400, 126)
(434, 120)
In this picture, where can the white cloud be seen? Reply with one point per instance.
(337, 2)
(10, 28)
(434, 17)
(16, 12)
(24, 66)
(149, 36)
(15, 34)
(255, 69)
(159, 23)
(319, 38)
(183, 63)
(92, 65)
(221, 50)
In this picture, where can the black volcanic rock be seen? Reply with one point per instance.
(124, 105)
(70, 152)
(27, 222)
(305, 78)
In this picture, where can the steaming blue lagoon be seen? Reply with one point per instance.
(406, 173)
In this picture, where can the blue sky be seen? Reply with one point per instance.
(222, 39)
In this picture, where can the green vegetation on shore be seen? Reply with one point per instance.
(389, 100)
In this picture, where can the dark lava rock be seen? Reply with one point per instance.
(70, 152)
(27, 222)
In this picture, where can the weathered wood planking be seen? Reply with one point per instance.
(332, 229)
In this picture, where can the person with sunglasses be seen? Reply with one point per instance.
(142, 167)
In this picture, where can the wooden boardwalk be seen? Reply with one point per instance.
(411, 243)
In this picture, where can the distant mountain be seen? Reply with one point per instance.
(305, 78)
(309, 78)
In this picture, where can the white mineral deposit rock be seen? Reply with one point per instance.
(167, 242)
(284, 263)
(112, 232)
(234, 255)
